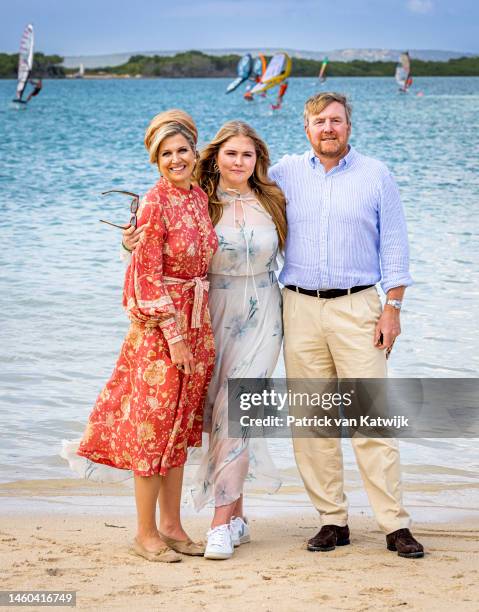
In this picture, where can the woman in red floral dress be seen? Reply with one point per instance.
(151, 409)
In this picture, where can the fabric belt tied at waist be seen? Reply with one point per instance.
(328, 294)
(201, 285)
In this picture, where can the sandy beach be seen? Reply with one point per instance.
(89, 555)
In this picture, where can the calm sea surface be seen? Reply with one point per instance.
(60, 287)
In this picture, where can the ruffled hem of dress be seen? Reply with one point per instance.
(267, 484)
(102, 469)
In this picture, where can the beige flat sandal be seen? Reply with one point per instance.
(185, 547)
(164, 555)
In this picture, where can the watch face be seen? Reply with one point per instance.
(395, 303)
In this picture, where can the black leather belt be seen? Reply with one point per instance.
(329, 293)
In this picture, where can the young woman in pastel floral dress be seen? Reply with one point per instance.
(248, 212)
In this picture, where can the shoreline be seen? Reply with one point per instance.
(134, 77)
(426, 502)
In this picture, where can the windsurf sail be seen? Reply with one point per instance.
(81, 72)
(403, 72)
(277, 71)
(245, 66)
(322, 72)
(25, 61)
(257, 71)
(259, 68)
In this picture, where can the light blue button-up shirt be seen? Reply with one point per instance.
(346, 227)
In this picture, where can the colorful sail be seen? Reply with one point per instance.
(277, 71)
(322, 72)
(244, 68)
(403, 72)
(25, 60)
(259, 68)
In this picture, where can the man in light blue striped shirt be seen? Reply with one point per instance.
(346, 233)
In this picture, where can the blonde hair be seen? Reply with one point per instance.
(268, 193)
(317, 103)
(169, 123)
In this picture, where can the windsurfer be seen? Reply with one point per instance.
(403, 72)
(322, 72)
(282, 90)
(37, 87)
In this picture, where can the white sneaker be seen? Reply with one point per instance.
(220, 543)
(239, 531)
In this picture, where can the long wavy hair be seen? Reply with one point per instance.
(268, 193)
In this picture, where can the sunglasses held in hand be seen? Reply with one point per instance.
(135, 204)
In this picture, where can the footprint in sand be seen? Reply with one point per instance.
(376, 590)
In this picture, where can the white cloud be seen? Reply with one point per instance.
(420, 6)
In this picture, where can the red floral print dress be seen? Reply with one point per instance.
(149, 412)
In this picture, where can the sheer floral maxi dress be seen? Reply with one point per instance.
(245, 305)
(149, 413)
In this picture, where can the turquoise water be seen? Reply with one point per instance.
(61, 272)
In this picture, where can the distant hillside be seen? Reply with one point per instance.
(197, 64)
(43, 66)
(339, 55)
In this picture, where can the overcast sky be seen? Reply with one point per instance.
(93, 27)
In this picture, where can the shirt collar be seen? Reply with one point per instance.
(344, 162)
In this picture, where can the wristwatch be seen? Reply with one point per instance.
(394, 303)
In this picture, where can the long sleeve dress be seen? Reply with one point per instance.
(149, 412)
(245, 305)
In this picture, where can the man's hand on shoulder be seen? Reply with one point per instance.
(131, 237)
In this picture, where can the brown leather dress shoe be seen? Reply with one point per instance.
(328, 537)
(403, 542)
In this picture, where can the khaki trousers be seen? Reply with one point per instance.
(328, 339)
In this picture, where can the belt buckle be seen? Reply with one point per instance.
(318, 294)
